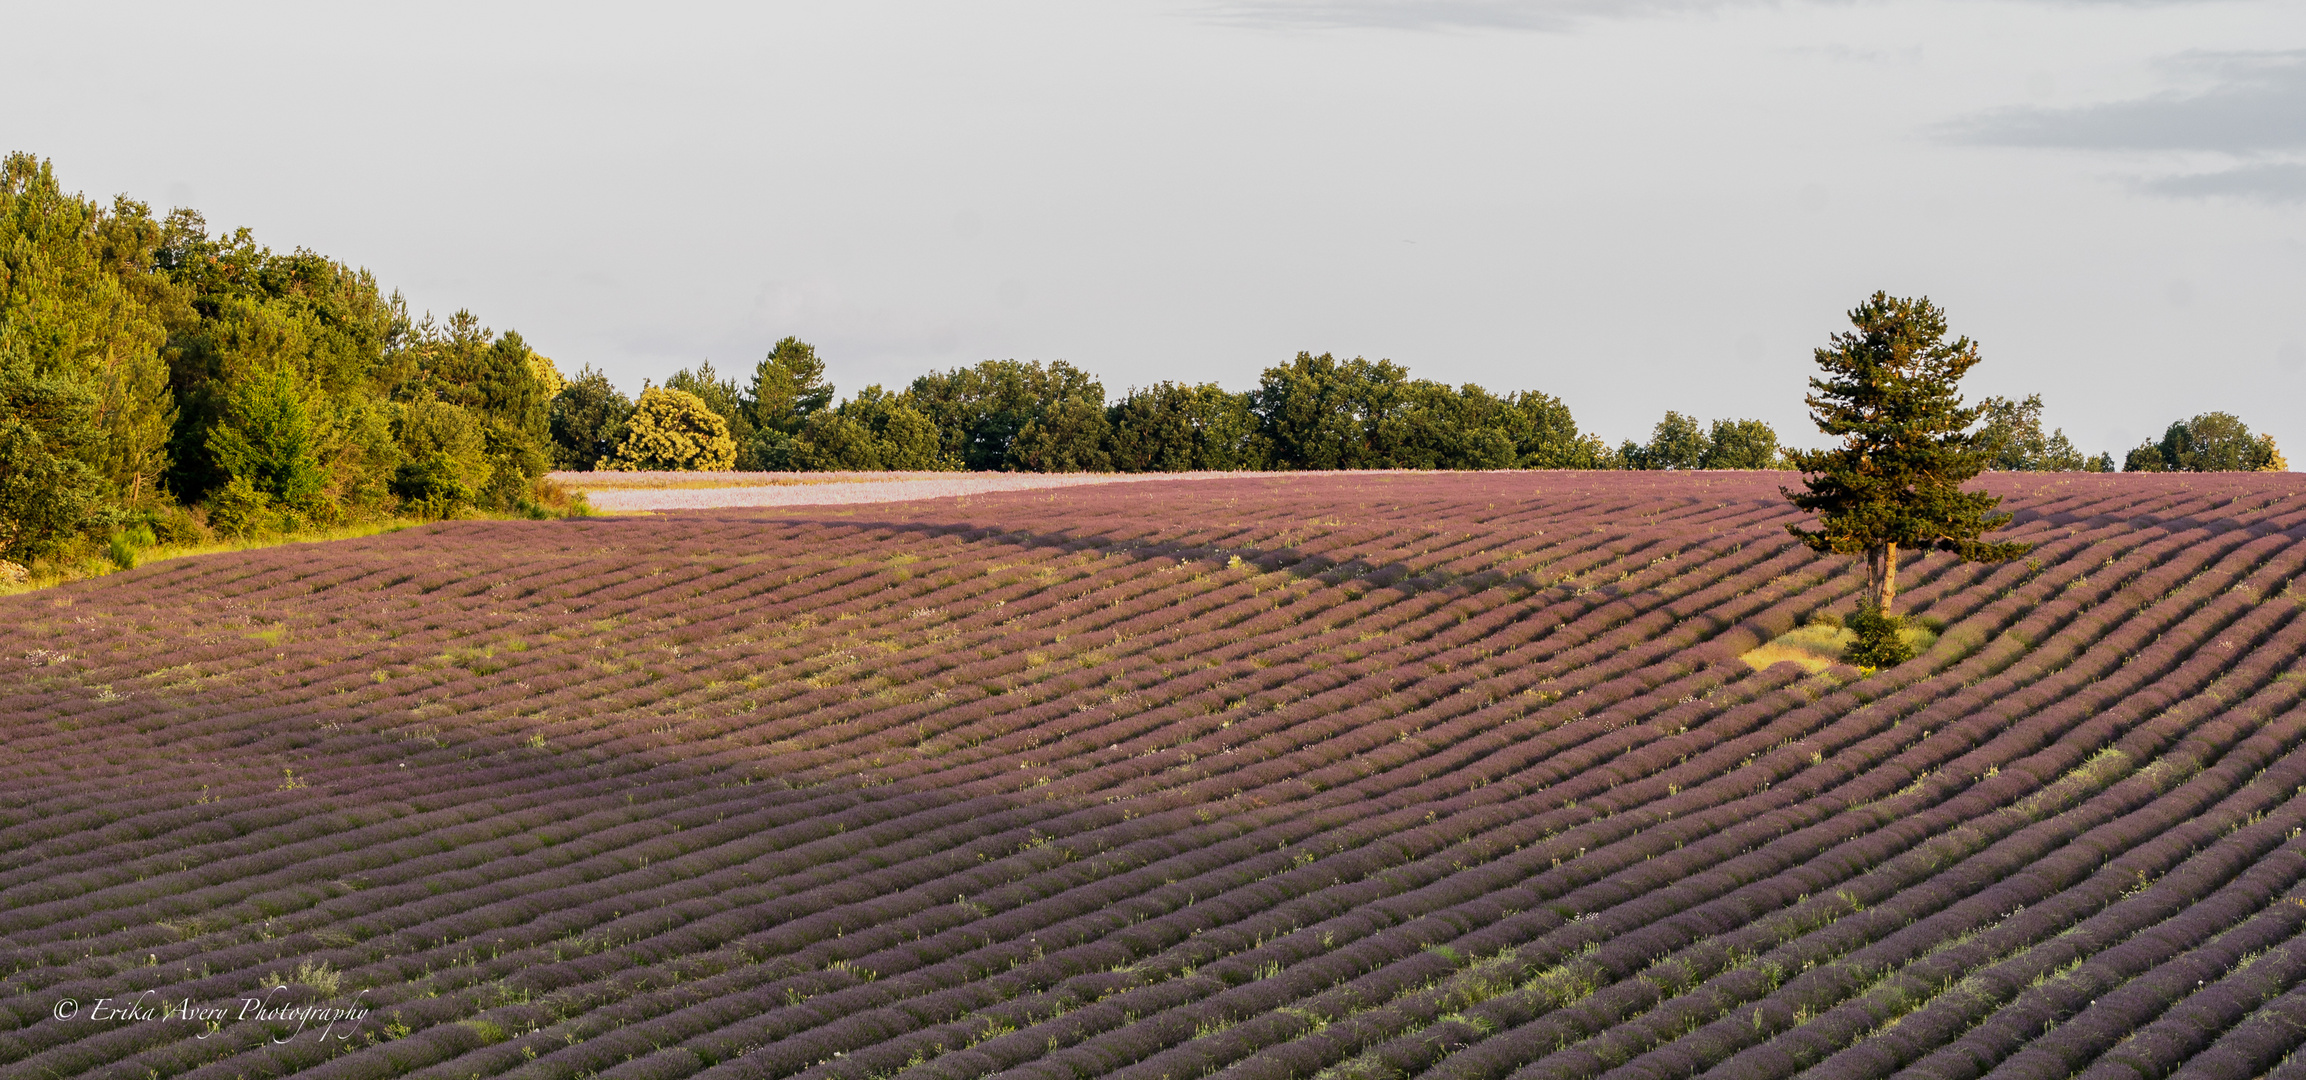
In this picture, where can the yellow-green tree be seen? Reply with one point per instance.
(674, 430)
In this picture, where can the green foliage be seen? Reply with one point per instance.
(264, 434)
(1545, 435)
(1316, 412)
(587, 420)
(239, 508)
(875, 430)
(124, 546)
(47, 488)
(2013, 440)
(1319, 413)
(151, 362)
(1891, 395)
(1173, 427)
(1432, 426)
(674, 430)
(1740, 444)
(254, 314)
(80, 305)
(1679, 443)
(446, 465)
(788, 389)
(980, 411)
(1878, 639)
(1068, 436)
(432, 486)
(2211, 442)
(495, 381)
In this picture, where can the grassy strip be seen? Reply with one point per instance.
(50, 573)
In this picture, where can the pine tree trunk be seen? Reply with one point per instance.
(1882, 576)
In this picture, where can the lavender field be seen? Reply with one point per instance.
(1273, 778)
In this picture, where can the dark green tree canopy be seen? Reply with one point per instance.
(872, 431)
(788, 387)
(2014, 442)
(47, 426)
(1891, 395)
(1740, 444)
(2211, 442)
(980, 411)
(1545, 435)
(1677, 442)
(1174, 427)
(587, 420)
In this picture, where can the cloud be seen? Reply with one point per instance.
(2256, 104)
(1499, 14)
(2247, 108)
(2265, 182)
(1445, 14)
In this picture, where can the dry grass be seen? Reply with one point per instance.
(602, 480)
(57, 573)
(1818, 646)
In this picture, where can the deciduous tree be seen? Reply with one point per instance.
(672, 429)
(2210, 442)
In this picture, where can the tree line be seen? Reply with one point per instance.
(1315, 412)
(162, 383)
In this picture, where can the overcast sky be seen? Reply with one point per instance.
(1636, 206)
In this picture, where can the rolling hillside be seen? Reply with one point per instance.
(1361, 778)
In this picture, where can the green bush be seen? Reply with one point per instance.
(447, 462)
(1878, 643)
(127, 544)
(432, 486)
(239, 509)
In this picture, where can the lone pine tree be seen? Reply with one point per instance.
(1890, 394)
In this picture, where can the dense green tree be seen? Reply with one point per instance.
(255, 313)
(267, 437)
(1740, 444)
(1068, 436)
(80, 306)
(587, 420)
(47, 488)
(1317, 412)
(1891, 395)
(788, 388)
(2211, 442)
(467, 365)
(872, 431)
(446, 462)
(673, 430)
(2014, 441)
(1433, 426)
(1175, 427)
(1545, 435)
(980, 411)
(265, 385)
(1677, 442)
